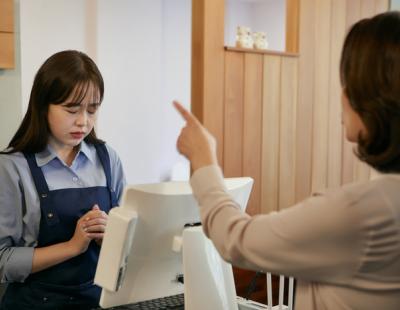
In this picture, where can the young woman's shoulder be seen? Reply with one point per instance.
(118, 175)
(12, 161)
(114, 157)
(14, 169)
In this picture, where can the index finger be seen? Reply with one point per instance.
(187, 116)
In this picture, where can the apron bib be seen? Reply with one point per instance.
(68, 285)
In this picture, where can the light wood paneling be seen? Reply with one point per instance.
(208, 66)
(381, 6)
(367, 8)
(198, 38)
(270, 134)
(292, 26)
(353, 12)
(303, 146)
(287, 137)
(321, 95)
(252, 118)
(335, 130)
(6, 16)
(233, 121)
(7, 60)
(304, 130)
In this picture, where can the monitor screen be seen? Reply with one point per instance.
(137, 260)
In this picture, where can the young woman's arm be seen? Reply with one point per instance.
(16, 247)
(18, 257)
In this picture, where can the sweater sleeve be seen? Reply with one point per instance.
(316, 239)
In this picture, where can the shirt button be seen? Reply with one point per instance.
(50, 215)
(74, 179)
(44, 195)
(44, 298)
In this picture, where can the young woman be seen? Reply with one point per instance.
(58, 182)
(344, 246)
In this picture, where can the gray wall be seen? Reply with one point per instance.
(10, 91)
(395, 5)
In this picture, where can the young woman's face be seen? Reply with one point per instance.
(351, 120)
(70, 122)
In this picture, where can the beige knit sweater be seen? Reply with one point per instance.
(343, 247)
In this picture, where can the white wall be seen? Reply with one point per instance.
(142, 48)
(144, 53)
(48, 26)
(260, 15)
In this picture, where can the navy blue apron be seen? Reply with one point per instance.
(68, 285)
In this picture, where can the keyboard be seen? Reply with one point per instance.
(174, 302)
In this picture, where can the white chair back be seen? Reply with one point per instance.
(280, 306)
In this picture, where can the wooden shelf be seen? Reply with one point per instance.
(258, 51)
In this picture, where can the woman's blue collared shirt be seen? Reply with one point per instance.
(19, 201)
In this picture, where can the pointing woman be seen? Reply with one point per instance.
(344, 246)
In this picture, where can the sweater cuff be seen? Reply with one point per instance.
(207, 179)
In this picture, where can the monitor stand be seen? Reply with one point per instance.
(208, 278)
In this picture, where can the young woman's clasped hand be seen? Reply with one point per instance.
(90, 226)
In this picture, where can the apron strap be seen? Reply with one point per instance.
(105, 161)
(42, 190)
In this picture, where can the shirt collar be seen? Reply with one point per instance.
(44, 157)
(88, 151)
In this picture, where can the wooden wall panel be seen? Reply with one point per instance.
(335, 130)
(304, 130)
(303, 146)
(381, 6)
(7, 37)
(6, 15)
(252, 118)
(207, 96)
(321, 95)
(7, 58)
(292, 26)
(233, 121)
(367, 8)
(287, 138)
(270, 134)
